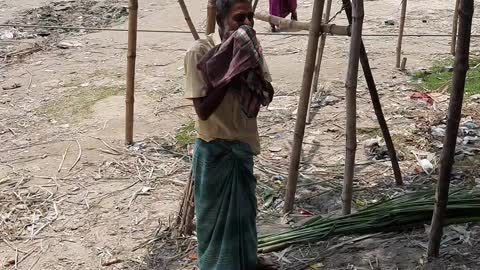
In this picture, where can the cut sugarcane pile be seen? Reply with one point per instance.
(403, 212)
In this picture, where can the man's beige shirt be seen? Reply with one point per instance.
(228, 122)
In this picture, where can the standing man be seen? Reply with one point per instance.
(281, 8)
(227, 84)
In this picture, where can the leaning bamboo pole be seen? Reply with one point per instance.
(351, 105)
(188, 19)
(454, 115)
(331, 29)
(211, 16)
(321, 48)
(131, 57)
(302, 104)
(254, 7)
(377, 106)
(454, 28)
(400, 33)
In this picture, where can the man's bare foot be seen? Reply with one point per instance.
(265, 264)
(274, 29)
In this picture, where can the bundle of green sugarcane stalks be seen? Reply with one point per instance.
(400, 213)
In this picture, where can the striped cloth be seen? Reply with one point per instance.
(238, 63)
(225, 205)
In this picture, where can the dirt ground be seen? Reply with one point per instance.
(72, 196)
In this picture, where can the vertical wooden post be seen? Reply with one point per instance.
(454, 115)
(131, 57)
(211, 16)
(351, 104)
(400, 33)
(321, 48)
(188, 19)
(372, 88)
(303, 103)
(454, 28)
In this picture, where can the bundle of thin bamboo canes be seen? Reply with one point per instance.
(400, 213)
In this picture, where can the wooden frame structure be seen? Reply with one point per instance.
(354, 11)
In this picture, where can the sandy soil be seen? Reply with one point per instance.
(73, 197)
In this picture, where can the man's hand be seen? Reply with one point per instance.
(205, 106)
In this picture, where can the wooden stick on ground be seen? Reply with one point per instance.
(454, 115)
(454, 28)
(372, 88)
(302, 105)
(321, 48)
(131, 57)
(211, 16)
(351, 104)
(188, 19)
(400, 33)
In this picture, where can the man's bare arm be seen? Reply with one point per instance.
(205, 106)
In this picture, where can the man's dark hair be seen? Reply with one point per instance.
(224, 6)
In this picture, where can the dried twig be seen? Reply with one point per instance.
(79, 156)
(107, 145)
(18, 261)
(63, 158)
(112, 262)
(31, 79)
(134, 196)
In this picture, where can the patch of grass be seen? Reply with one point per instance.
(440, 77)
(186, 135)
(369, 131)
(77, 104)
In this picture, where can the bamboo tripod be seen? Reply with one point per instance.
(300, 124)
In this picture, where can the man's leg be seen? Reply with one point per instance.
(294, 15)
(225, 204)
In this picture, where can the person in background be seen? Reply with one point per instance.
(281, 8)
(227, 84)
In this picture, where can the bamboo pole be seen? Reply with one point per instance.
(454, 115)
(302, 104)
(211, 16)
(331, 29)
(254, 7)
(372, 88)
(321, 48)
(187, 208)
(188, 19)
(131, 57)
(400, 33)
(454, 28)
(351, 105)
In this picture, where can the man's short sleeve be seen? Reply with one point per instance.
(195, 86)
